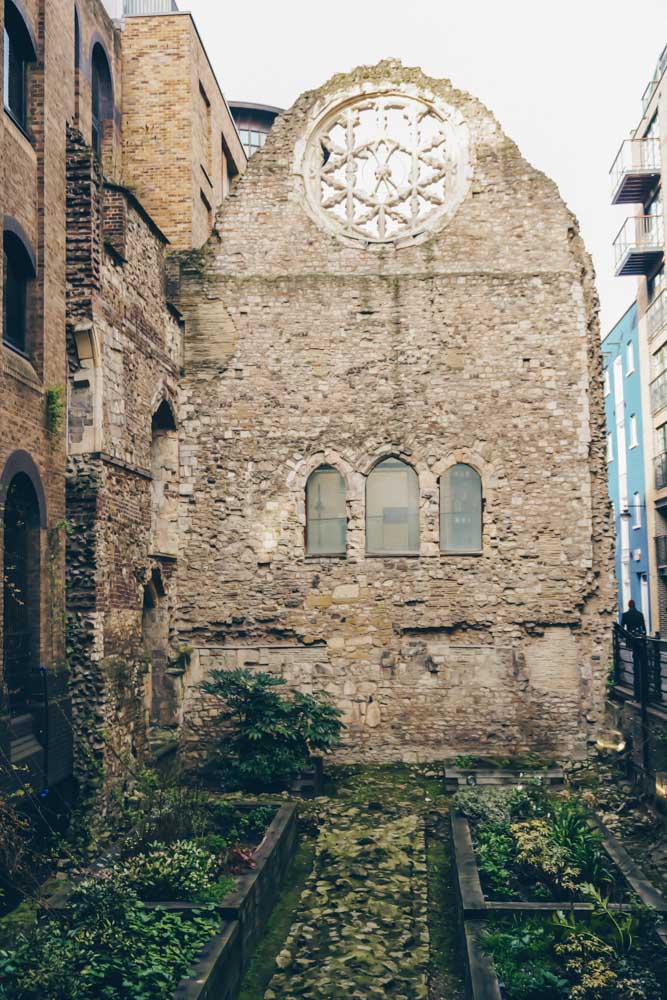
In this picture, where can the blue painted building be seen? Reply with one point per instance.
(625, 461)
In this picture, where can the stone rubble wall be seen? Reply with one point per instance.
(479, 345)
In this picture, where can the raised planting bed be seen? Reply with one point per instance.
(597, 956)
(482, 774)
(528, 850)
(151, 912)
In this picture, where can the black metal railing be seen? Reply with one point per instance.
(640, 664)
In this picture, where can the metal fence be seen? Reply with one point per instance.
(640, 664)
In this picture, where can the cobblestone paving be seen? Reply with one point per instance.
(360, 930)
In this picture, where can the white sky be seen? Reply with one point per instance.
(565, 79)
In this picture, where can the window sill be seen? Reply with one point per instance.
(449, 553)
(19, 365)
(21, 128)
(326, 555)
(393, 555)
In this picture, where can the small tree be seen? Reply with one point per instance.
(261, 737)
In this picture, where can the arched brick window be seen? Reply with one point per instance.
(326, 515)
(18, 273)
(21, 591)
(19, 52)
(461, 510)
(392, 509)
(102, 96)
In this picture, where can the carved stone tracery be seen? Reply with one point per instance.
(386, 167)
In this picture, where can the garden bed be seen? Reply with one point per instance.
(481, 774)
(597, 956)
(136, 921)
(524, 850)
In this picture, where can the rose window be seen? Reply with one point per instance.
(386, 168)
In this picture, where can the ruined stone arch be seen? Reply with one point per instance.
(164, 453)
(474, 461)
(85, 409)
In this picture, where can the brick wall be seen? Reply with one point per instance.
(172, 138)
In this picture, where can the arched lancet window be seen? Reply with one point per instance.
(164, 469)
(326, 515)
(461, 510)
(21, 591)
(77, 41)
(19, 52)
(392, 508)
(18, 272)
(102, 96)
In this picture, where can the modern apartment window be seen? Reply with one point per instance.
(252, 140)
(610, 448)
(607, 383)
(18, 272)
(659, 361)
(656, 283)
(461, 510)
(636, 510)
(19, 52)
(661, 439)
(392, 509)
(326, 515)
(633, 431)
(629, 359)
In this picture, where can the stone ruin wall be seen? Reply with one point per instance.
(479, 344)
(124, 352)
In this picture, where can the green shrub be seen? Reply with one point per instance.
(261, 738)
(107, 946)
(184, 870)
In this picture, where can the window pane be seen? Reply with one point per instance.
(392, 508)
(14, 78)
(326, 516)
(461, 510)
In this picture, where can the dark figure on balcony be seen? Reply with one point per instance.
(633, 621)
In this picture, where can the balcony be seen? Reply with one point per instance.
(640, 245)
(661, 552)
(635, 171)
(659, 392)
(660, 467)
(653, 84)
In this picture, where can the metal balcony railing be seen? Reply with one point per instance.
(660, 469)
(656, 316)
(653, 83)
(640, 244)
(121, 8)
(659, 392)
(635, 171)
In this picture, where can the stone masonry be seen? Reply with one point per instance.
(475, 341)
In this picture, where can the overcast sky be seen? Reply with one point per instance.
(564, 79)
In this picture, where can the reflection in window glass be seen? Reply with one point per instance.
(326, 517)
(392, 508)
(461, 510)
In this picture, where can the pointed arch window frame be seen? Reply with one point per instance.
(338, 521)
(478, 513)
(395, 514)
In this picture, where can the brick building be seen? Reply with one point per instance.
(393, 450)
(90, 361)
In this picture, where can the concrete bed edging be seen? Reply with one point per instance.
(220, 966)
(458, 777)
(473, 905)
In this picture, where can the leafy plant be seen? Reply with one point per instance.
(55, 409)
(262, 738)
(108, 946)
(184, 870)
